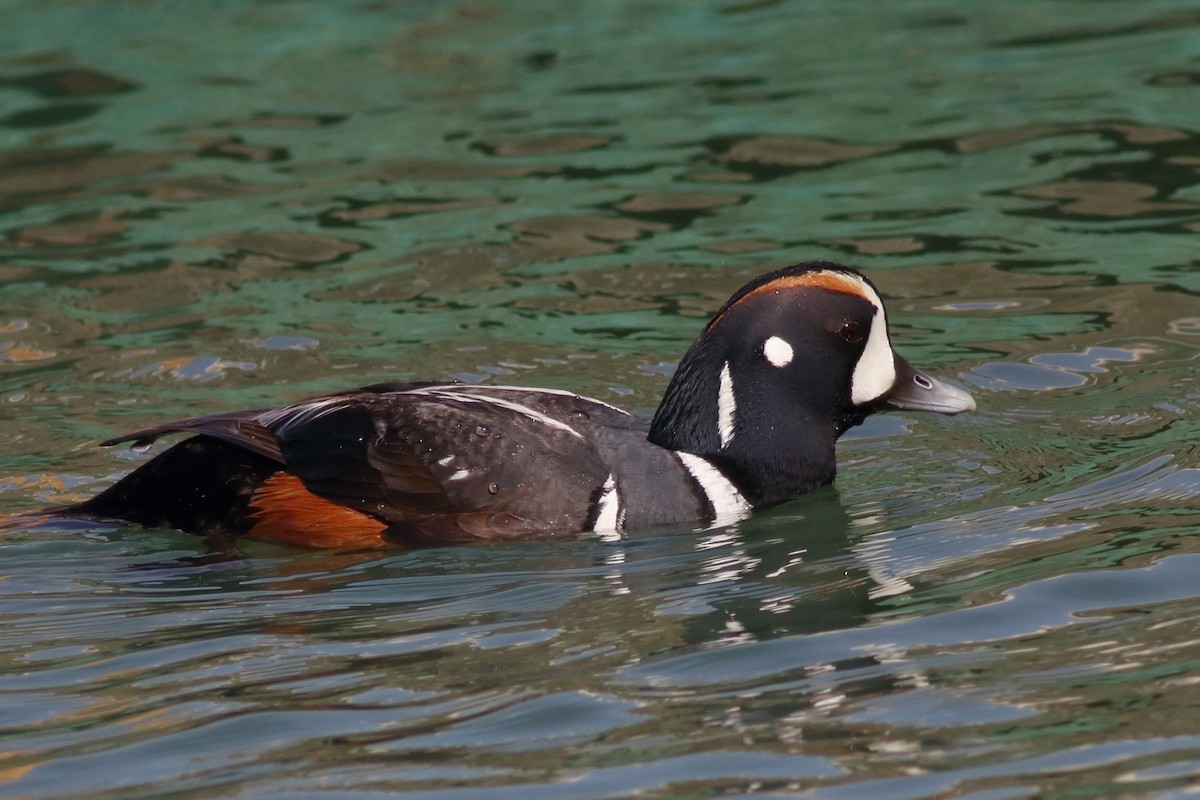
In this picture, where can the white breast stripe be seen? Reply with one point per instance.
(728, 504)
(459, 474)
(609, 514)
(726, 407)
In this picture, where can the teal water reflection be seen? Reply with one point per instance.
(223, 204)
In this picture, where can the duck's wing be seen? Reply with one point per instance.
(243, 428)
(240, 428)
(443, 464)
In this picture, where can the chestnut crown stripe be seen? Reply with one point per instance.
(830, 279)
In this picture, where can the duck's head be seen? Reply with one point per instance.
(793, 359)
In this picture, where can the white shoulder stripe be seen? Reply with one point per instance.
(609, 514)
(728, 504)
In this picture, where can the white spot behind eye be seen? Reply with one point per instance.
(778, 352)
(726, 407)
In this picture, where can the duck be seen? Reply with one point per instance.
(749, 420)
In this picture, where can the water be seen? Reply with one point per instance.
(235, 204)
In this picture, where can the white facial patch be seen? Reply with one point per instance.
(778, 352)
(726, 407)
(875, 373)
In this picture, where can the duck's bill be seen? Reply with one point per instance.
(916, 391)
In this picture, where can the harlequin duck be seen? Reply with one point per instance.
(749, 419)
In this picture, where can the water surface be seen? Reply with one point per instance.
(235, 204)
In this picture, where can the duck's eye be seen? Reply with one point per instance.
(852, 332)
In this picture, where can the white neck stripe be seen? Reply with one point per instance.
(726, 407)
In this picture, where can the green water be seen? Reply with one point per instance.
(211, 205)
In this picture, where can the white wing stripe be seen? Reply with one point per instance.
(484, 389)
(525, 411)
(299, 414)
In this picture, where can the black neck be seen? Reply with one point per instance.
(781, 452)
(770, 477)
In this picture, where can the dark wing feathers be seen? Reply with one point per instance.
(436, 465)
(243, 428)
(237, 427)
(334, 454)
(434, 455)
(325, 447)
